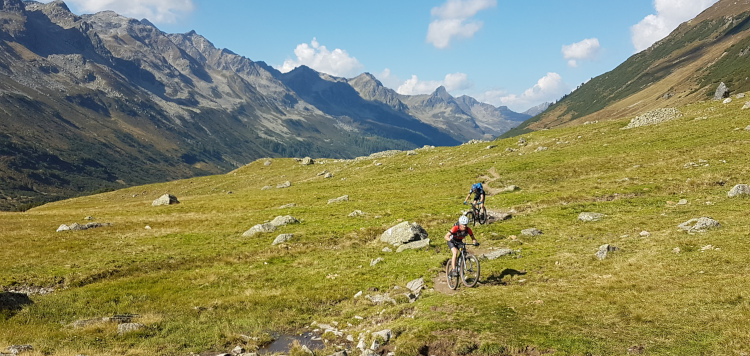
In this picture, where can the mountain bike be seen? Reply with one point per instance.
(476, 214)
(467, 266)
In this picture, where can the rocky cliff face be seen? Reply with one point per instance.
(102, 101)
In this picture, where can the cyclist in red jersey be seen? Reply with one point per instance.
(457, 233)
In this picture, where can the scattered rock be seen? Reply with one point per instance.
(17, 349)
(290, 205)
(403, 233)
(654, 117)
(414, 245)
(284, 220)
(604, 250)
(129, 327)
(540, 149)
(307, 161)
(727, 101)
(286, 184)
(380, 299)
(676, 250)
(416, 285)
(266, 227)
(356, 213)
(282, 238)
(266, 187)
(387, 249)
(491, 147)
(531, 232)
(267, 163)
(498, 253)
(511, 188)
(721, 91)
(739, 189)
(746, 106)
(645, 233)
(588, 216)
(339, 199)
(411, 153)
(79, 227)
(376, 261)
(166, 199)
(701, 224)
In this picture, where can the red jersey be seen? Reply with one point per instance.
(459, 235)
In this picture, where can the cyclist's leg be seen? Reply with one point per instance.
(453, 259)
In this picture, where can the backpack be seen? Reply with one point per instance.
(478, 187)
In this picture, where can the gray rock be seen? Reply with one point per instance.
(339, 199)
(737, 190)
(588, 216)
(721, 91)
(387, 249)
(511, 188)
(654, 117)
(416, 285)
(328, 175)
(129, 327)
(531, 232)
(286, 184)
(266, 187)
(356, 213)
(63, 227)
(284, 220)
(282, 238)
(307, 161)
(376, 261)
(17, 349)
(267, 163)
(701, 224)
(166, 199)
(746, 106)
(727, 101)
(290, 205)
(414, 245)
(604, 250)
(403, 233)
(384, 335)
(498, 253)
(267, 227)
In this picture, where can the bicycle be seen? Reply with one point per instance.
(476, 215)
(467, 266)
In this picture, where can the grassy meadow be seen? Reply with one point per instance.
(199, 286)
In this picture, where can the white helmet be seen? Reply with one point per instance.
(463, 220)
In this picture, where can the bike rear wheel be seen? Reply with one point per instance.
(452, 280)
(470, 271)
(472, 218)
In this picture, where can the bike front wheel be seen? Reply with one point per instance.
(452, 280)
(470, 271)
(483, 216)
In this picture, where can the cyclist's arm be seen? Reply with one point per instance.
(448, 236)
(471, 233)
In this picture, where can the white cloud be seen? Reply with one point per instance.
(388, 79)
(548, 89)
(452, 82)
(316, 56)
(453, 20)
(586, 49)
(156, 11)
(669, 15)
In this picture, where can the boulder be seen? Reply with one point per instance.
(129, 327)
(498, 253)
(257, 229)
(416, 285)
(531, 232)
(701, 224)
(721, 91)
(403, 233)
(737, 190)
(282, 238)
(414, 245)
(166, 199)
(604, 250)
(588, 216)
(339, 199)
(307, 161)
(284, 220)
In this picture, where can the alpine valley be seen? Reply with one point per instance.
(98, 102)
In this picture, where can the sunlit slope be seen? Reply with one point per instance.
(198, 285)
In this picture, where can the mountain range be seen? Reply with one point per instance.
(102, 101)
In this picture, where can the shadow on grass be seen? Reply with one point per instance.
(497, 278)
(11, 303)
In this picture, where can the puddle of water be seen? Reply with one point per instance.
(284, 342)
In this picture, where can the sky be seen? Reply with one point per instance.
(510, 53)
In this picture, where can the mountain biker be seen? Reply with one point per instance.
(457, 233)
(478, 191)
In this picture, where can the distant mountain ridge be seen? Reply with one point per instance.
(101, 101)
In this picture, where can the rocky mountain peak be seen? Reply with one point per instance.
(12, 6)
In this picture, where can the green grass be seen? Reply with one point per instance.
(198, 285)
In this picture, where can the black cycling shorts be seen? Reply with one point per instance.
(451, 244)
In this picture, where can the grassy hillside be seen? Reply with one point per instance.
(200, 286)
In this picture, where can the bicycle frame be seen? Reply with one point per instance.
(466, 264)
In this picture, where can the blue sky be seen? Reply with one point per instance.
(513, 53)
